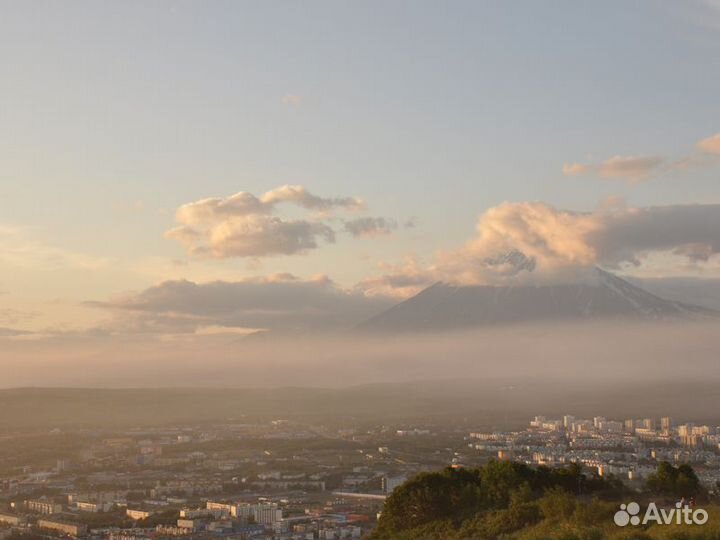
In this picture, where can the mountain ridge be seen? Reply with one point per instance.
(444, 306)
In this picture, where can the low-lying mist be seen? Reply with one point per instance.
(572, 352)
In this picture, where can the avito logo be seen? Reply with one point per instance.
(629, 514)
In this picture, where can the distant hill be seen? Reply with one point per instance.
(483, 402)
(449, 307)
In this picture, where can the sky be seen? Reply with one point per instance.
(314, 162)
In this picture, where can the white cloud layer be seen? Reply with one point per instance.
(628, 168)
(710, 145)
(280, 302)
(639, 168)
(532, 241)
(243, 225)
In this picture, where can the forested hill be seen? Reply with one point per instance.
(517, 502)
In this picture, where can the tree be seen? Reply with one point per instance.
(450, 495)
(498, 499)
(557, 504)
(673, 481)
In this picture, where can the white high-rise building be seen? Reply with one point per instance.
(267, 513)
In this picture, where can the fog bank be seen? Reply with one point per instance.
(583, 352)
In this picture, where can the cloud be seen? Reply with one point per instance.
(552, 239)
(370, 226)
(628, 168)
(12, 333)
(695, 251)
(243, 225)
(215, 209)
(628, 235)
(536, 242)
(638, 168)
(277, 302)
(253, 236)
(302, 197)
(411, 223)
(710, 145)
(291, 99)
(15, 316)
(575, 169)
(398, 281)
(633, 168)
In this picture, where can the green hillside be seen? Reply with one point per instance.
(516, 502)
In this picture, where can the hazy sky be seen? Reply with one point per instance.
(415, 140)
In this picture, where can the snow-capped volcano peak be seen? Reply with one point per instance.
(604, 295)
(511, 262)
